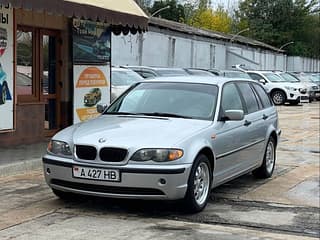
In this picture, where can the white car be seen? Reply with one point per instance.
(121, 80)
(280, 90)
(169, 138)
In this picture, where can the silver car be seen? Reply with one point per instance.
(168, 138)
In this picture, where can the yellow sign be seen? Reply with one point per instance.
(85, 114)
(92, 77)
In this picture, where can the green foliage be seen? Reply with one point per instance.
(174, 13)
(277, 22)
(216, 20)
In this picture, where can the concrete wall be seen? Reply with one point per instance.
(168, 48)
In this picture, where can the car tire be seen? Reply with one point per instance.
(63, 195)
(199, 185)
(3, 96)
(269, 160)
(278, 97)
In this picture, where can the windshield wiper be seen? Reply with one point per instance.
(161, 114)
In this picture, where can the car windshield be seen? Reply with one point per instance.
(314, 77)
(124, 78)
(181, 100)
(288, 77)
(274, 77)
(237, 75)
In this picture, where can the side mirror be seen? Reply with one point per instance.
(233, 115)
(263, 81)
(101, 108)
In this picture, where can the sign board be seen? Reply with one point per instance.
(6, 68)
(91, 68)
(92, 86)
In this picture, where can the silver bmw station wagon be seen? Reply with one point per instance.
(168, 138)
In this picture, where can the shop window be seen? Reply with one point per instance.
(26, 88)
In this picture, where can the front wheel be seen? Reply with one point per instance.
(269, 160)
(278, 97)
(199, 185)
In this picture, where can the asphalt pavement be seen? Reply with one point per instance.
(286, 206)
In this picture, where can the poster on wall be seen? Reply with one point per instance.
(91, 42)
(6, 68)
(92, 87)
(91, 68)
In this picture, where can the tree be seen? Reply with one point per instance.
(174, 13)
(277, 22)
(216, 20)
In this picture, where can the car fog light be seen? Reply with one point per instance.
(162, 181)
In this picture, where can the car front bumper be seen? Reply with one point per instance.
(161, 182)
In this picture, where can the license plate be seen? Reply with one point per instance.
(317, 94)
(101, 174)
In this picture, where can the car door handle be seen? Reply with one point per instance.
(246, 123)
(264, 117)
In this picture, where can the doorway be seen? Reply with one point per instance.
(38, 73)
(49, 70)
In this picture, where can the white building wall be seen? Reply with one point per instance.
(125, 50)
(183, 50)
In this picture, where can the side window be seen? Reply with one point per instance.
(249, 97)
(264, 97)
(231, 99)
(255, 76)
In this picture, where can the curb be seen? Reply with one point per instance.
(22, 166)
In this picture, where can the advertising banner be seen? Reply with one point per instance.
(91, 42)
(91, 68)
(6, 68)
(92, 86)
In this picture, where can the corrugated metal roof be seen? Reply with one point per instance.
(180, 27)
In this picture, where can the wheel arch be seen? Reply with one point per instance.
(273, 134)
(209, 154)
(278, 89)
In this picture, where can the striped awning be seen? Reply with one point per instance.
(123, 15)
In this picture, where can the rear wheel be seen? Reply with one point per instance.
(278, 97)
(269, 160)
(199, 185)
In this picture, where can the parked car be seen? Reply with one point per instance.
(93, 97)
(279, 89)
(3, 86)
(199, 72)
(169, 138)
(312, 88)
(312, 81)
(234, 74)
(121, 80)
(152, 72)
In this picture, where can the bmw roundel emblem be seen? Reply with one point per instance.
(102, 140)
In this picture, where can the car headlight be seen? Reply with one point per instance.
(157, 155)
(59, 148)
(290, 88)
(303, 90)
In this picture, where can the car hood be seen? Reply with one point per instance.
(133, 131)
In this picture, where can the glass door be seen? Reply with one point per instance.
(49, 72)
